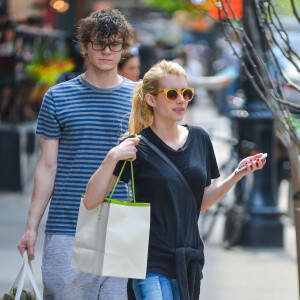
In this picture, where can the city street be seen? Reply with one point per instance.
(235, 274)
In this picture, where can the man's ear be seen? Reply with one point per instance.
(122, 55)
(85, 49)
(150, 99)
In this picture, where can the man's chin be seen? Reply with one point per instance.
(105, 68)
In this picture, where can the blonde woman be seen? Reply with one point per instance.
(175, 257)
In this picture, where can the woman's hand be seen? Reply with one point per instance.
(216, 192)
(103, 179)
(125, 150)
(252, 164)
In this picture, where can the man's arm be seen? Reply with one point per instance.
(44, 178)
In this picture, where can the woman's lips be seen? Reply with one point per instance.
(178, 109)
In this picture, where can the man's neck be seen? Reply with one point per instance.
(103, 80)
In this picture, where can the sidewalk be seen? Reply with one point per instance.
(250, 273)
(235, 274)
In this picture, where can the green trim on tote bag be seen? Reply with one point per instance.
(123, 202)
(127, 203)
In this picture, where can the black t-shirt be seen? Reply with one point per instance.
(173, 212)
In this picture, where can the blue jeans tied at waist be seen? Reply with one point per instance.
(155, 287)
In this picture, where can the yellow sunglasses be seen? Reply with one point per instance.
(173, 94)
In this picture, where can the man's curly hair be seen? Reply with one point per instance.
(105, 24)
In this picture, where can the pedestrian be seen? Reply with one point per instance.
(175, 255)
(129, 66)
(79, 122)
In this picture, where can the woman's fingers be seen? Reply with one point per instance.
(253, 163)
(258, 161)
(127, 149)
(135, 140)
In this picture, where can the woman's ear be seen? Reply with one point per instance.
(150, 99)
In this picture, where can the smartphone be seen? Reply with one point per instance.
(239, 169)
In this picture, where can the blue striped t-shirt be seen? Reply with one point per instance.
(88, 122)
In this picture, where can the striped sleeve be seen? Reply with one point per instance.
(47, 124)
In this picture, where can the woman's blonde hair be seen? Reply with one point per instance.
(142, 113)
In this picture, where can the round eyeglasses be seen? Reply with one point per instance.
(113, 46)
(173, 94)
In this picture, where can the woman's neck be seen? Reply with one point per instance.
(171, 134)
(166, 131)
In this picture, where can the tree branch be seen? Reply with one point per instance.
(295, 10)
(282, 118)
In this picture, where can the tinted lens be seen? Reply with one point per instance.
(172, 95)
(187, 94)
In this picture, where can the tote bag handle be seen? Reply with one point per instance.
(20, 280)
(132, 182)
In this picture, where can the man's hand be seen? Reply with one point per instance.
(28, 241)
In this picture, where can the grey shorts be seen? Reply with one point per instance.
(61, 282)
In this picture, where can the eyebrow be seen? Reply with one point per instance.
(107, 42)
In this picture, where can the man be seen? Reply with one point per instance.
(79, 122)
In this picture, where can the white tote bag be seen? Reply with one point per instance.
(112, 239)
(20, 280)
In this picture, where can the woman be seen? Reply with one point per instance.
(129, 66)
(175, 256)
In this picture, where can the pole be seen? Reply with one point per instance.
(296, 201)
(295, 172)
(263, 227)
